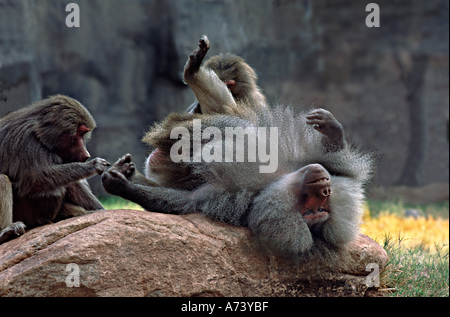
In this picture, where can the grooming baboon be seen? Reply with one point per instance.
(43, 155)
(225, 80)
(233, 71)
(310, 205)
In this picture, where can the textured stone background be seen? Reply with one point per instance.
(389, 86)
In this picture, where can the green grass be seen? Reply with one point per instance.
(119, 203)
(415, 272)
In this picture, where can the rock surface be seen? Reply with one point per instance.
(136, 253)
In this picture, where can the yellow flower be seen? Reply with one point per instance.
(426, 231)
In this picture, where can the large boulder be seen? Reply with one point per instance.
(137, 253)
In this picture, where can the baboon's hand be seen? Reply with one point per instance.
(197, 56)
(114, 182)
(117, 178)
(100, 165)
(324, 122)
(125, 166)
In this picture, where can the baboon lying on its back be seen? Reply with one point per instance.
(309, 202)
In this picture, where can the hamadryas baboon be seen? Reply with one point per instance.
(44, 165)
(311, 202)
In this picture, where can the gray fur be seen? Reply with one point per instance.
(268, 197)
(238, 194)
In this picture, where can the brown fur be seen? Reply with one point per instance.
(42, 153)
(245, 90)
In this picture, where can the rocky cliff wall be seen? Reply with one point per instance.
(388, 85)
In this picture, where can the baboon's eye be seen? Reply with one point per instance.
(82, 130)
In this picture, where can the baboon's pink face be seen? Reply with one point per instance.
(314, 192)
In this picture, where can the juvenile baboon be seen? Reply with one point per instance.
(43, 165)
(233, 71)
(310, 205)
(224, 84)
